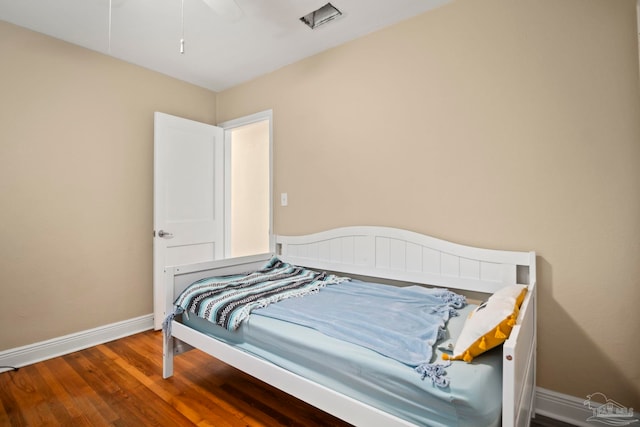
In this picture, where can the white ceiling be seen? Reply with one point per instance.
(221, 50)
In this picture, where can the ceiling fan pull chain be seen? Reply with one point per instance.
(109, 46)
(182, 24)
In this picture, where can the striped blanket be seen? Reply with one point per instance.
(228, 300)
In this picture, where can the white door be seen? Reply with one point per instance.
(188, 198)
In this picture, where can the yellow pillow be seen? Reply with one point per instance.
(490, 324)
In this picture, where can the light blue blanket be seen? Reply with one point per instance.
(402, 323)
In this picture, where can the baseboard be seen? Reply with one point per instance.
(37, 352)
(562, 407)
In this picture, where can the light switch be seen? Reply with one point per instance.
(284, 199)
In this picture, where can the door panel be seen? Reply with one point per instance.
(180, 255)
(188, 197)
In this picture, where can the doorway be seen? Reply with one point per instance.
(248, 185)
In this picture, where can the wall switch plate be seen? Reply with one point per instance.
(284, 199)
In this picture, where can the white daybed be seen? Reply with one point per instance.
(384, 253)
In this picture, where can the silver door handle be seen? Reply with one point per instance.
(165, 234)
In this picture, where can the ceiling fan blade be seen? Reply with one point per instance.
(227, 9)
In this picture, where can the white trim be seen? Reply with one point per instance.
(563, 407)
(43, 350)
(247, 120)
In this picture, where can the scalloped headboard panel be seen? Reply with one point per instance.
(408, 256)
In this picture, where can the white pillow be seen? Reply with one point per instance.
(490, 324)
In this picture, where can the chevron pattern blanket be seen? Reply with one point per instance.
(228, 300)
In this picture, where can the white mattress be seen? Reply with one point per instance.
(473, 398)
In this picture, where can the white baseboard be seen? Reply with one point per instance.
(562, 407)
(37, 352)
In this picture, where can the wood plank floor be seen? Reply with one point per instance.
(120, 384)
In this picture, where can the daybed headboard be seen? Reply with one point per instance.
(408, 256)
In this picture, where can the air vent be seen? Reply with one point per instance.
(321, 16)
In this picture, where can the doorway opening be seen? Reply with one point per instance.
(248, 185)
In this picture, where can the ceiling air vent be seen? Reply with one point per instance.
(321, 16)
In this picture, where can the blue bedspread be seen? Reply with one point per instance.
(402, 323)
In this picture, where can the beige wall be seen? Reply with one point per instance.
(501, 124)
(76, 184)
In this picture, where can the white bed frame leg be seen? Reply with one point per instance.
(167, 355)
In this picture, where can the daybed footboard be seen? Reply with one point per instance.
(178, 278)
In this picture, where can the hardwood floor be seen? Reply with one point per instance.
(120, 384)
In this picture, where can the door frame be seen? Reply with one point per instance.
(228, 126)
